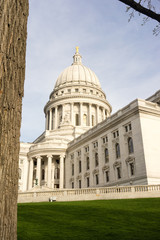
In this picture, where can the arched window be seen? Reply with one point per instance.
(19, 173)
(96, 159)
(85, 119)
(43, 174)
(87, 161)
(77, 119)
(117, 150)
(106, 153)
(130, 145)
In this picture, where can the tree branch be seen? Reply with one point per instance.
(139, 8)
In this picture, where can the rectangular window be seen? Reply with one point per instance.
(87, 161)
(118, 172)
(96, 159)
(107, 176)
(72, 169)
(130, 127)
(97, 179)
(72, 184)
(76, 90)
(87, 181)
(80, 184)
(80, 166)
(131, 168)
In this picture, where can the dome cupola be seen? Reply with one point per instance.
(77, 73)
(77, 100)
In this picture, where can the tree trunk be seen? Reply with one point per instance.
(13, 34)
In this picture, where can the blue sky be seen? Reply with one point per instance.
(125, 56)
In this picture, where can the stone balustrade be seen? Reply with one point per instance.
(120, 192)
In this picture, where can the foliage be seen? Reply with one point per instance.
(131, 219)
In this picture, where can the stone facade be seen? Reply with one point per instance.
(84, 146)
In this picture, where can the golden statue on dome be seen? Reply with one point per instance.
(77, 49)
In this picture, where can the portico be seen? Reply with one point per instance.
(46, 170)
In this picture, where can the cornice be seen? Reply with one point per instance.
(108, 123)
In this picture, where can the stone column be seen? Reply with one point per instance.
(81, 114)
(30, 180)
(46, 121)
(53, 170)
(55, 117)
(104, 116)
(61, 171)
(49, 170)
(50, 119)
(90, 115)
(38, 172)
(72, 113)
(97, 114)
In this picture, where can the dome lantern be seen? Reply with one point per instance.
(77, 58)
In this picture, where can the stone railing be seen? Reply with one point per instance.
(121, 192)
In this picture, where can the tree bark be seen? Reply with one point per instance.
(13, 34)
(139, 8)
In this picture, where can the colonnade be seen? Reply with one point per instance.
(53, 121)
(50, 171)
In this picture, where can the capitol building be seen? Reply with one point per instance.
(84, 145)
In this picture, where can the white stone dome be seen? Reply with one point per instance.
(77, 73)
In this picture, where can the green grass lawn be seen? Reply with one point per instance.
(90, 220)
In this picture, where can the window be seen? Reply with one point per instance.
(131, 165)
(35, 163)
(84, 90)
(107, 176)
(128, 127)
(80, 166)
(76, 90)
(95, 144)
(117, 150)
(80, 184)
(19, 173)
(72, 184)
(87, 181)
(79, 153)
(106, 155)
(77, 119)
(87, 149)
(85, 119)
(96, 159)
(91, 91)
(118, 172)
(57, 173)
(43, 174)
(72, 169)
(116, 134)
(97, 179)
(87, 161)
(105, 139)
(42, 162)
(130, 145)
(69, 90)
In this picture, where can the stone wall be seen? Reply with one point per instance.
(125, 192)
